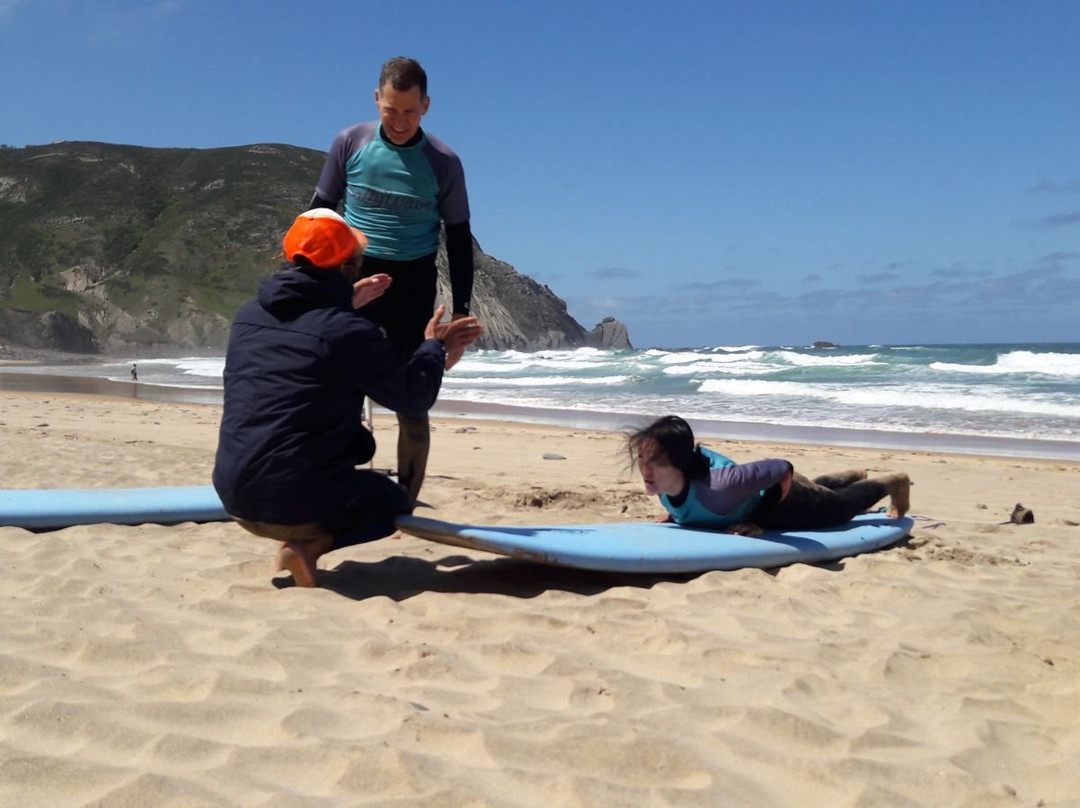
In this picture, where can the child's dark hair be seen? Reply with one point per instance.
(675, 440)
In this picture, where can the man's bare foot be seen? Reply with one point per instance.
(899, 488)
(300, 558)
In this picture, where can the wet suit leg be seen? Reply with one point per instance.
(404, 312)
(841, 479)
(810, 505)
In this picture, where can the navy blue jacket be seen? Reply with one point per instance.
(298, 366)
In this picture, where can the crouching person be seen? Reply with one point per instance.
(299, 363)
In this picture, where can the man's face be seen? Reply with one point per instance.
(400, 112)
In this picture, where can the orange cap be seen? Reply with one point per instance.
(323, 238)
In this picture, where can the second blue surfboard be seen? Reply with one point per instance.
(654, 547)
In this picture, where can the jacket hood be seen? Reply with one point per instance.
(293, 291)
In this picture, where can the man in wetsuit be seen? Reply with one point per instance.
(399, 184)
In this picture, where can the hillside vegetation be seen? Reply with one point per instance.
(105, 247)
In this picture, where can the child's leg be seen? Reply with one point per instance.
(810, 506)
(863, 495)
(841, 479)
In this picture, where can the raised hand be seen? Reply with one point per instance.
(367, 289)
(458, 334)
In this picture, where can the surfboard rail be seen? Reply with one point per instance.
(652, 547)
(55, 508)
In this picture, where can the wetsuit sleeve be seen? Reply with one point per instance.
(318, 201)
(331, 188)
(409, 388)
(459, 256)
(730, 486)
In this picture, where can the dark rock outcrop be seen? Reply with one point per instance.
(609, 335)
(518, 313)
(51, 330)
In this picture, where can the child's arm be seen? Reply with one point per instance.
(730, 486)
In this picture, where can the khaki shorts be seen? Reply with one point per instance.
(309, 531)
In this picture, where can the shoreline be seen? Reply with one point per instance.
(979, 445)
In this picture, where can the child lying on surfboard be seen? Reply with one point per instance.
(701, 488)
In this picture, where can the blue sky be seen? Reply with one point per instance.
(711, 173)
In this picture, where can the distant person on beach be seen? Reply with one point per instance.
(134, 373)
(701, 488)
(399, 184)
(298, 366)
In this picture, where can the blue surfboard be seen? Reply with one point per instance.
(52, 508)
(655, 547)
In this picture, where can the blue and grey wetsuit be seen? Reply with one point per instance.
(729, 494)
(398, 196)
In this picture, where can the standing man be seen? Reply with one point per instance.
(399, 184)
(297, 369)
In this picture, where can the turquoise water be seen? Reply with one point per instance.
(1018, 391)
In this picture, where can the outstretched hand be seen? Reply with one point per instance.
(458, 334)
(367, 289)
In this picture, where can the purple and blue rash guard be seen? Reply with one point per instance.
(398, 195)
(730, 492)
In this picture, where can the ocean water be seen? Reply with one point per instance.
(959, 394)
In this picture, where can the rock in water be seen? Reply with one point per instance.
(609, 335)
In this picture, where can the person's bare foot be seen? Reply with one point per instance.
(899, 488)
(301, 560)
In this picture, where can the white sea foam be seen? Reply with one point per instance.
(729, 368)
(927, 397)
(733, 348)
(702, 351)
(210, 367)
(1023, 392)
(535, 381)
(520, 362)
(761, 387)
(678, 358)
(827, 360)
(1049, 364)
(708, 359)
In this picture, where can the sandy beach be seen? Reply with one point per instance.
(166, 666)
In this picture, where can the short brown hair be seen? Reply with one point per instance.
(403, 74)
